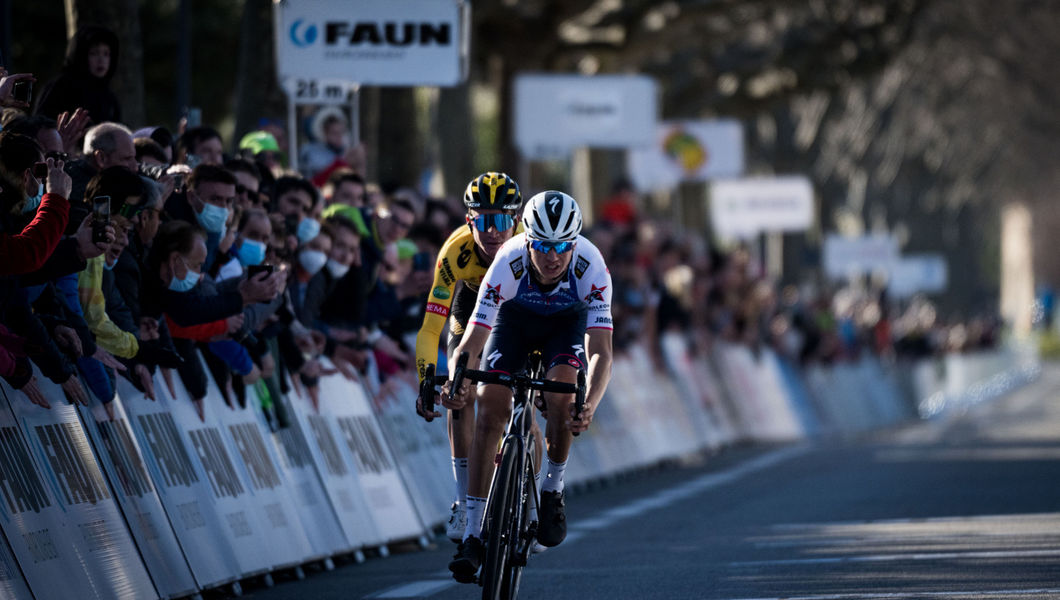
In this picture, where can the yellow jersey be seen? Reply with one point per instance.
(457, 261)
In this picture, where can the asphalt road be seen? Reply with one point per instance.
(963, 507)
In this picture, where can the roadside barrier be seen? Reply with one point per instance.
(161, 503)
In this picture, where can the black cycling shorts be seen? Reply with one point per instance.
(517, 332)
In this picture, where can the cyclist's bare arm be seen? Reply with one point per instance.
(598, 353)
(473, 342)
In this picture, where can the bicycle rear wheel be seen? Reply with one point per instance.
(500, 521)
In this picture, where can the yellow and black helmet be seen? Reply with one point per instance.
(493, 190)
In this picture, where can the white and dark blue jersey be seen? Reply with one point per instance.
(587, 284)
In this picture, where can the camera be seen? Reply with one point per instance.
(253, 270)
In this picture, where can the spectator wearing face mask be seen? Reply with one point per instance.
(208, 202)
(91, 61)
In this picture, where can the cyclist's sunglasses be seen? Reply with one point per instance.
(500, 222)
(544, 247)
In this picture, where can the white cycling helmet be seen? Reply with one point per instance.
(552, 216)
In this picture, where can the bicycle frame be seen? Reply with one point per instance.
(508, 533)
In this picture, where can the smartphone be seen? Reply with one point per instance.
(22, 91)
(100, 218)
(40, 171)
(253, 270)
(178, 182)
(194, 116)
(421, 261)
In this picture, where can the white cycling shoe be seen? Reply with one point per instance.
(454, 530)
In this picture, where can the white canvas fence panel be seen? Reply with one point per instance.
(65, 527)
(122, 459)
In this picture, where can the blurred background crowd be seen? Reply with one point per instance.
(129, 247)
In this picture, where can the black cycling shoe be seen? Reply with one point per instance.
(553, 526)
(467, 559)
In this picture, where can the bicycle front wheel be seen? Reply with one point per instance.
(501, 522)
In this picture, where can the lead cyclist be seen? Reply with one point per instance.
(548, 289)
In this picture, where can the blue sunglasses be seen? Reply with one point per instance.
(544, 247)
(500, 222)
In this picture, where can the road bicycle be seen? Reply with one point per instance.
(508, 531)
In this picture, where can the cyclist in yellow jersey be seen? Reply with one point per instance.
(494, 204)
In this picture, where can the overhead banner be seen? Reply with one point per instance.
(855, 256)
(918, 273)
(393, 43)
(555, 114)
(688, 151)
(122, 461)
(743, 208)
(57, 509)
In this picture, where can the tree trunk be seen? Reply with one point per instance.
(123, 16)
(258, 93)
(456, 147)
(400, 151)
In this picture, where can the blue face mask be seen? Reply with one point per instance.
(32, 203)
(109, 266)
(307, 230)
(184, 285)
(212, 218)
(251, 253)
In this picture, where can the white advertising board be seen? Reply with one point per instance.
(742, 208)
(361, 441)
(688, 151)
(853, 256)
(57, 510)
(396, 43)
(13, 585)
(123, 462)
(918, 273)
(337, 473)
(271, 505)
(556, 113)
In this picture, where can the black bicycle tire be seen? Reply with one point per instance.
(514, 575)
(498, 551)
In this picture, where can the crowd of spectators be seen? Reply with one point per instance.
(672, 280)
(262, 271)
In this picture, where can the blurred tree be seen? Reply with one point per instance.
(257, 92)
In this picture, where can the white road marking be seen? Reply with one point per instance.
(1036, 593)
(920, 556)
(426, 588)
(416, 589)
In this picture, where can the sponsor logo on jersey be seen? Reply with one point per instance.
(603, 321)
(574, 363)
(517, 267)
(493, 294)
(464, 257)
(437, 309)
(440, 292)
(597, 293)
(447, 272)
(480, 317)
(581, 266)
